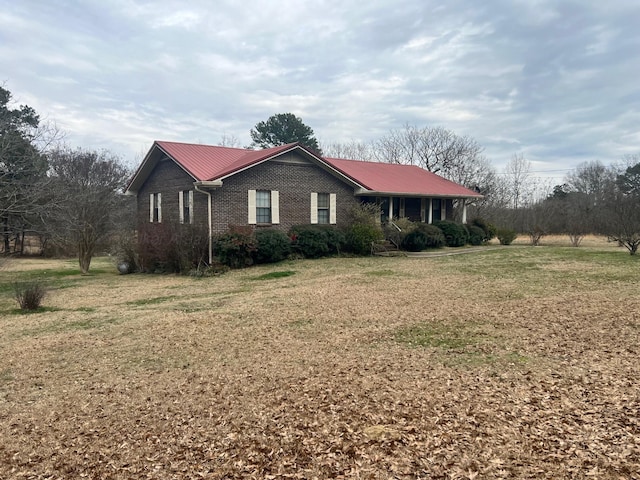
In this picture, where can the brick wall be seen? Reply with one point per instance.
(293, 180)
(290, 175)
(169, 179)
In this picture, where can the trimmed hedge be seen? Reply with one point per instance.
(435, 237)
(454, 233)
(488, 229)
(422, 237)
(475, 235)
(272, 246)
(311, 241)
(236, 247)
(361, 236)
(506, 236)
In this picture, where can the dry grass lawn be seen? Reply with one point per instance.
(514, 362)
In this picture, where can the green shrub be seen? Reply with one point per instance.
(314, 241)
(272, 246)
(434, 236)
(335, 239)
(311, 241)
(360, 237)
(414, 241)
(488, 228)
(475, 235)
(29, 295)
(405, 227)
(455, 234)
(236, 247)
(506, 236)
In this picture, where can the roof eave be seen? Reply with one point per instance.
(379, 193)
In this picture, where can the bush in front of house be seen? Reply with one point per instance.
(310, 241)
(398, 229)
(455, 234)
(360, 237)
(475, 235)
(236, 247)
(168, 248)
(272, 246)
(434, 236)
(336, 239)
(488, 228)
(506, 236)
(414, 241)
(158, 250)
(29, 295)
(364, 228)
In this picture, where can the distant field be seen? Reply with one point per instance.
(514, 362)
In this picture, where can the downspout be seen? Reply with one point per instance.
(211, 185)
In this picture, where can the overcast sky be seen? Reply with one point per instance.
(558, 81)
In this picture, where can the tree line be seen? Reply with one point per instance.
(594, 198)
(72, 197)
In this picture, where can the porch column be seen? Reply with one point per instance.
(390, 209)
(464, 211)
(423, 210)
(430, 211)
(443, 209)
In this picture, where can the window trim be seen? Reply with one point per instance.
(315, 209)
(274, 206)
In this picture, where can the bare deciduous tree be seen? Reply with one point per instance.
(621, 212)
(591, 179)
(517, 181)
(229, 140)
(352, 150)
(87, 193)
(435, 149)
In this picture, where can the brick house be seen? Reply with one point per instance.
(280, 187)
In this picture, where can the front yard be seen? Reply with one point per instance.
(514, 362)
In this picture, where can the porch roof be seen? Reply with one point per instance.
(398, 180)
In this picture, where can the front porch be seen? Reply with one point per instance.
(419, 209)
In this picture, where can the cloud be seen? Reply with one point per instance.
(554, 80)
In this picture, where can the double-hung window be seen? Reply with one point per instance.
(323, 208)
(155, 207)
(264, 207)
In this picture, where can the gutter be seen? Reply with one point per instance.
(206, 187)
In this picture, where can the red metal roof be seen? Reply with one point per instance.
(395, 178)
(206, 162)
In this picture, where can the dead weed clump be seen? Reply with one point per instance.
(29, 295)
